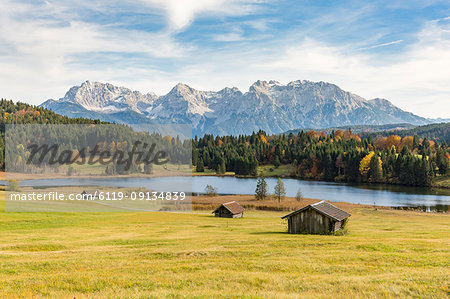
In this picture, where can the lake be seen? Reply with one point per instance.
(379, 195)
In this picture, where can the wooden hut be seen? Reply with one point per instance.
(90, 194)
(229, 210)
(318, 218)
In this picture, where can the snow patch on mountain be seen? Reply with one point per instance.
(267, 105)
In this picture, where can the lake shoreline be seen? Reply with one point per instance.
(365, 194)
(440, 183)
(287, 204)
(445, 185)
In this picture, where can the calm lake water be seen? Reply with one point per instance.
(380, 195)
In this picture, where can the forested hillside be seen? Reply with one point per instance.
(339, 156)
(111, 139)
(437, 132)
(360, 129)
(21, 113)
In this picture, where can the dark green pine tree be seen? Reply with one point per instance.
(221, 168)
(200, 166)
(261, 188)
(375, 171)
(328, 167)
(416, 142)
(148, 168)
(276, 161)
(441, 162)
(253, 166)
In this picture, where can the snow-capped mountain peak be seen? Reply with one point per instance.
(105, 97)
(267, 105)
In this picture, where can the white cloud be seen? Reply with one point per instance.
(236, 34)
(43, 57)
(382, 45)
(261, 24)
(182, 13)
(417, 79)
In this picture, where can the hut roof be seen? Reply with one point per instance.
(324, 208)
(89, 191)
(232, 206)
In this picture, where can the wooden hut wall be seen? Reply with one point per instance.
(223, 212)
(239, 215)
(309, 221)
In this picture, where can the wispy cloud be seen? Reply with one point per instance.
(235, 35)
(382, 45)
(150, 45)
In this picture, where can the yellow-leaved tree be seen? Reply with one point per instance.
(364, 165)
(263, 138)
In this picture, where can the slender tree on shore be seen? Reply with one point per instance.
(280, 190)
(261, 188)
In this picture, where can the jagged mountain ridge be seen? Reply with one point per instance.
(270, 106)
(107, 98)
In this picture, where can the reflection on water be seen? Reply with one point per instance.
(436, 208)
(379, 195)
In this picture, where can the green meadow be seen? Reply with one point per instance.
(268, 170)
(385, 253)
(442, 182)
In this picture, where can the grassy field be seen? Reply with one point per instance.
(97, 170)
(280, 171)
(386, 253)
(442, 182)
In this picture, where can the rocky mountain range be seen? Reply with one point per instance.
(269, 106)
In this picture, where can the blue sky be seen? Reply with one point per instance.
(399, 50)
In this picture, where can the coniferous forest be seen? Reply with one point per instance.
(439, 132)
(21, 113)
(109, 138)
(339, 156)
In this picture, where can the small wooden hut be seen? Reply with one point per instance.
(90, 194)
(318, 218)
(229, 210)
